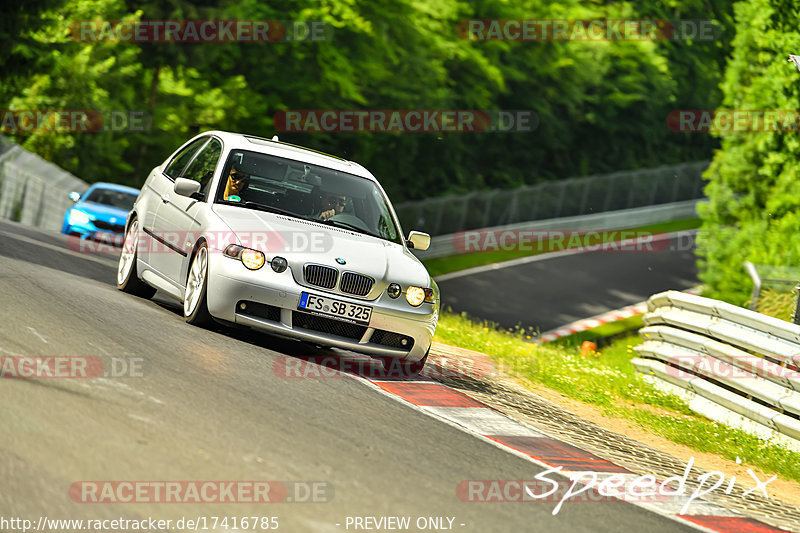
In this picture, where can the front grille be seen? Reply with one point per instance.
(321, 276)
(389, 338)
(117, 228)
(270, 312)
(327, 325)
(357, 284)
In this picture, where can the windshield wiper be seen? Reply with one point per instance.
(277, 210)
(347, 225)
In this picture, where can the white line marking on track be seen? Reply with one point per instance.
(10, 352)
(140, 418)
(41, 337)
(433, 412)
(550, 255)
(105, 352)
(88, 257)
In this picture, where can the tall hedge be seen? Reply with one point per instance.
(754, 191)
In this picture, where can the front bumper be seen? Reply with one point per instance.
(271, 300)
(91, 232)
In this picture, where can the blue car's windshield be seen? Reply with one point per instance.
(119, 199)
(259, 181)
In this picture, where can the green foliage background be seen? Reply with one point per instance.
(601, 105)
(753, 186)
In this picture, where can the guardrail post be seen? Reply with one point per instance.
(751, 270)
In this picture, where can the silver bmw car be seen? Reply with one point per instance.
(285, 240)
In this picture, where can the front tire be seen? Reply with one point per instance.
(127, 277)
(195, 307)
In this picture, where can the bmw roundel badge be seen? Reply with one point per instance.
(340, 261)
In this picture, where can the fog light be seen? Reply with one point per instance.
(278, 264)
(394, 290)
(242, 306)
(404, 341)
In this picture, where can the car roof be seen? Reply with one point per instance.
(114, 187)
(289, 151)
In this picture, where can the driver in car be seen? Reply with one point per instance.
(331, 204)
(236, 184)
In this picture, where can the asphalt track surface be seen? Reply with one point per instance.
(209, 406)
(546, 294)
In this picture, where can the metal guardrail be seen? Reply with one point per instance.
(445, 245)
(555, 199)
(34, 191)
(744, 362)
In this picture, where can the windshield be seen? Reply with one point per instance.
(253, 180)
(118, 199)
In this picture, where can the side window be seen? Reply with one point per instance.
(202, 168)
(183, 157)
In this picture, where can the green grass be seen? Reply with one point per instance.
(777, 302)
(610, 382)
(602, 334)
(442, 265)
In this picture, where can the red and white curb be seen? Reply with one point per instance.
(598, 320)
(493, 426)
(593, 322)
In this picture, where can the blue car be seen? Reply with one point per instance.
(100, 213)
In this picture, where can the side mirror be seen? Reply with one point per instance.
(74, 196)
(419, 240)
(186, 187)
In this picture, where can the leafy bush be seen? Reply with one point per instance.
(754, 185)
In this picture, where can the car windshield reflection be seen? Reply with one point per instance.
(118, 199)
(268, 183)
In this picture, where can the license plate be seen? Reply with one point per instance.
(357, 314)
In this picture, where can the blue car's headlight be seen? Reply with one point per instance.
(78, 217)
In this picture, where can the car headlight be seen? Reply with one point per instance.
(77, 216)
(252, 259)
(416, 295)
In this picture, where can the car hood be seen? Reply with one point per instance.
(103, 212)
(301, 242)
